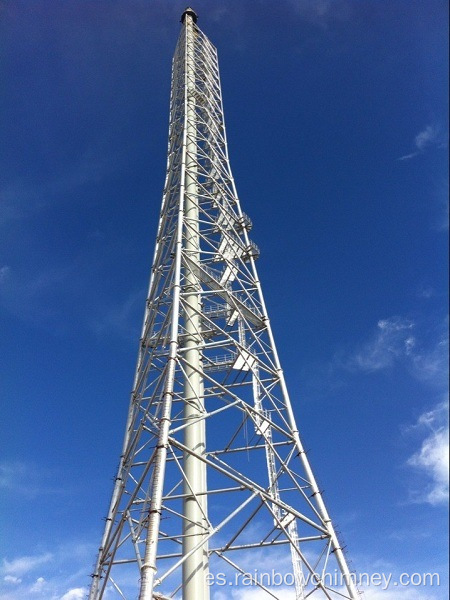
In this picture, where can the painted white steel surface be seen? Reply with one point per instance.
(195, 522)
(213, 476)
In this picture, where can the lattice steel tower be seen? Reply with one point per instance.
(213, 478)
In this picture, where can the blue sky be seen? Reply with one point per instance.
(336, 113)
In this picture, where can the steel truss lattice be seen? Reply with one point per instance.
(213, 476)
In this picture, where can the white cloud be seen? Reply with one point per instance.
(426, 137)
(408, 156)
(50, 576)
(75, 594)
(12, 579)
(397, 341)
(24, 564)
(392, 340)
(38, 585)
(432, 459)
(431, 364)
(430, 136)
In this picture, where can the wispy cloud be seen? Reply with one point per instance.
(432, 459)
(431, 364)
(12, 579)
(29, 481)
(427, 138)
(75, 594)
(58, 575)
(397, 340)
(44, 590)
(402, 535)
(38, 586)
(24, 564)
(392, 340)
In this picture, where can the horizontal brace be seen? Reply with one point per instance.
(246, 448)
(314, 538)
(207, 493)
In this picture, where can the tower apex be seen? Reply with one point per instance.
(189, 11)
